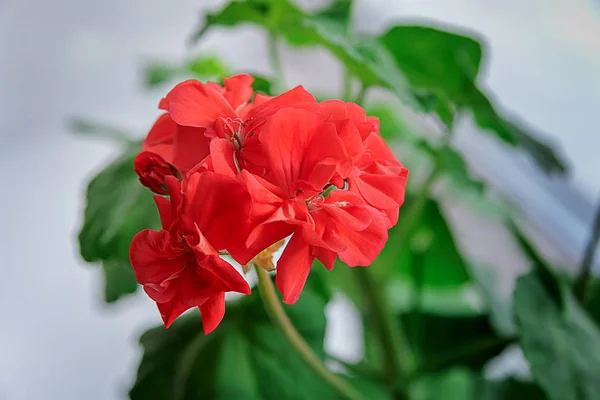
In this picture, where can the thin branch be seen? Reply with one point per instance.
(387, 329)
(360, 97)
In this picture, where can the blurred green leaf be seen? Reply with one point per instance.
(117, 207)
(450, 162)
(443, 63)
(446, 270)
(201, 67)
(454, 384)
(363, 57)
(444, 265)
(262, 85)
(561, 342)
(246, 357)
(391, 124)
(461, 384)
(119, 279)
(156, 73)
(451, 341)
(451, 77)
(96, 129)
(510, 389)
(593, 303)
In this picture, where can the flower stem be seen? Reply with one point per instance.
(279, 317)
(391, 338)
(360, 97)
(347, 86)
(582, 283)
(275, 60)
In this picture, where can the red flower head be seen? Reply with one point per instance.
(152, 170)
(254, 174)
(180, 266)
(304, 154)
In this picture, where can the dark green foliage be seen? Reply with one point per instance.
(558, 338)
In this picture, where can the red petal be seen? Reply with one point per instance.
(301, 150)
(152, 257)
(297, 97)
(220, 206)
(171, 310)
(164, 210)
(293, 268)
(347, 209)
(280, 224)
(160, 137)
(213, 312)
(327, 257)
(352, 140)
(364, 246)
(222, 157)
(174, 186)
(381, 191)
(192, 103)
(189, 148)
(234, 281)
(379, 150)
(238, 89)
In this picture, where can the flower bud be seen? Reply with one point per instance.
(152, 170)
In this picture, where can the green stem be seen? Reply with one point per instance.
(360, 97)
(280, 319)
(347, 88)
(418, 276)
(409, 216)
(275, 60)
(582, 283)
(395, 350)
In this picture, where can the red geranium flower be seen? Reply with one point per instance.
(304, 154)
(180, 266)
(253, 174)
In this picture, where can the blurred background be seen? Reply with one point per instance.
(68, 58)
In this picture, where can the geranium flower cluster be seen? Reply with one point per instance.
(242, 175)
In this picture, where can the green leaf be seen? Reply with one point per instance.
(364, 57)
(455, 384)
(119, 279)
(461, 384)
(201, 67)
(246, 357)
(443, 263)
(117, 207)
(561, 342)
(593, 303)
(262, 84)
(451, 78)
(96, 129)
(451, 281)
(441, 342)
(392, 125)
(510, 389)
(452, 164)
